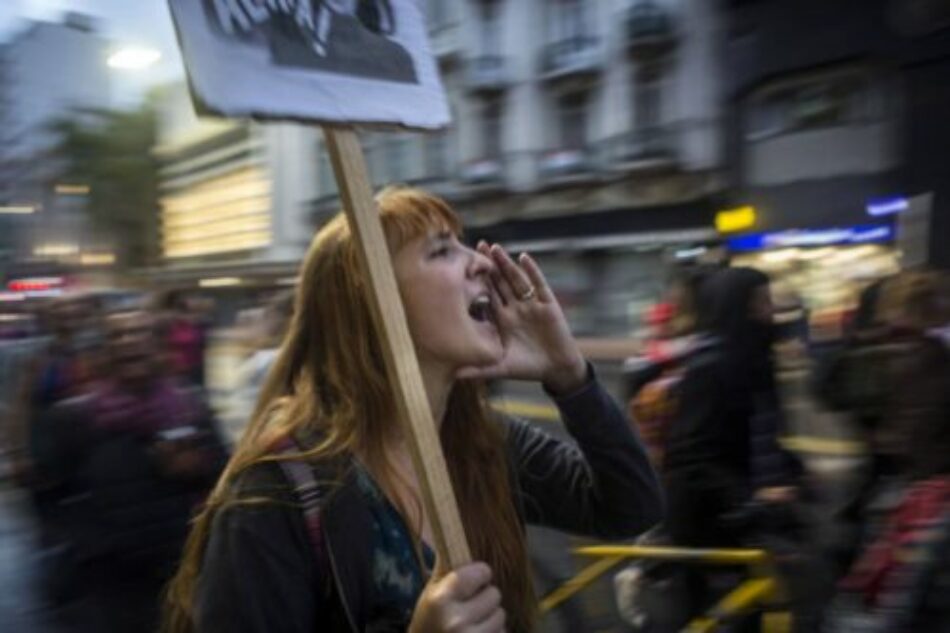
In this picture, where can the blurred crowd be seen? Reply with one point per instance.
(706, 400)
(107, 427)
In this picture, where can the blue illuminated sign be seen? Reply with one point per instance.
(887, 206)
(868, 234)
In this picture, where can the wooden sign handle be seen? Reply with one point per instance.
(438, 498)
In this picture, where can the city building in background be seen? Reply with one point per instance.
(233, 197)
(831, 141)
(51, 71)
(587, 133)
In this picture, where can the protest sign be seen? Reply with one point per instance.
(330, 61)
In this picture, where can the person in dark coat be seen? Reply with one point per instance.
(728, 481)
(722, 451)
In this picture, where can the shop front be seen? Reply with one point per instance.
(820, 271)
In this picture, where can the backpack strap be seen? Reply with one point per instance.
(309, 495)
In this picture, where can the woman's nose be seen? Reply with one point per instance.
(480, 264)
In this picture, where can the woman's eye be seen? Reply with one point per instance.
(441, 251)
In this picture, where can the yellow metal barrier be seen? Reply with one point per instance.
(762, 591)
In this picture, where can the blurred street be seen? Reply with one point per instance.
(736, 211)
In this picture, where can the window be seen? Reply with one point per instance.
(842, 99)
(648, 100)
(572, 121)
(489, 29)
(397, 159)
(374, 158)
(437, 13)
(491, 129)
(567, 20)
(437, 155)
(325, 179)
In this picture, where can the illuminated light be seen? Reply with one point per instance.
(689, 253)
(858, 252)
(133, 58)
(96, 259)
(34, 284)
(219, 282)
(51, 292)
(780, 257)
(817, 253)
(72, 190)
(226, 213)
(887, 206)
(18, 209)
(733, 220)
(56, 250)
(288, 281)
(12, 296)
(812, 237)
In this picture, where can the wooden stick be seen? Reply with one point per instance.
(412, 404)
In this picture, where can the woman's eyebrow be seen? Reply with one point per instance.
(441, 236)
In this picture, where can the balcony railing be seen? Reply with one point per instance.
(566, 164)
(484, 171)
(649, 30)
(446, 43)
(652, 146)
(486, 73)
(575, 57)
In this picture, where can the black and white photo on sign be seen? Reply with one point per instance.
(322, 60)
(351, 37)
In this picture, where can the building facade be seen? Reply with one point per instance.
(234, 197)
(587, 132)
(50, 71)
(835, 129)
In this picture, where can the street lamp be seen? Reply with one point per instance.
(133, 58)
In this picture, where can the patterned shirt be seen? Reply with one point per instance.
(397, 578)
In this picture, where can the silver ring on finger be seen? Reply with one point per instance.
(527, 295)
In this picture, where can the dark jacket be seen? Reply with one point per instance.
(722, 444)
(128, 505)
(259, 572)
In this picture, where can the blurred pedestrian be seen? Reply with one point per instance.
(901, 580)
(62, 367)
(651, 381)
(271, 331)
(183, 336)
(729, 482)
(327, 427)
(137, 454)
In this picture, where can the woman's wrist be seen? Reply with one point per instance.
(567, 379)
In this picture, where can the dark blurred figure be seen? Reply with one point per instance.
(183, 334)
(901, 580)
(854, 379)
(722, 451)
(651, 382)
(136, 454)
(729, 483)
(63, 367)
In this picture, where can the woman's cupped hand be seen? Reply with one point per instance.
(538, 344)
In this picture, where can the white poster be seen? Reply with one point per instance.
(344, 61)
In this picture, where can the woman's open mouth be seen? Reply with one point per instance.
(481, 310)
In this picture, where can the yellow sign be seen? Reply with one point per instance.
(732, 220)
